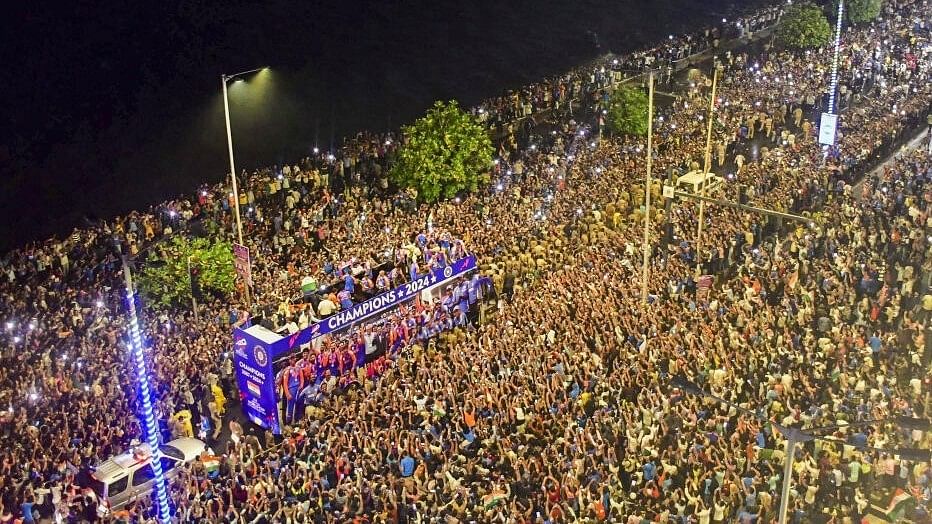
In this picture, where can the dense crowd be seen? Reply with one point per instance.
(560, 408)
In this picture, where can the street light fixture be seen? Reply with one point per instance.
(224, 80)
(795, 436)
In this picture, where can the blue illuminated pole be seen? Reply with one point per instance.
(146, 413)
(833, 90)
(831, 96)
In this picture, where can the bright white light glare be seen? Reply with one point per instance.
(203, 193)
(100, 303)
(17, 339)
(457, 200)
(33, 397)
(316, 150)
(499, 187)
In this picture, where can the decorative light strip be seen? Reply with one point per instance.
(831, 96)
(150, 426)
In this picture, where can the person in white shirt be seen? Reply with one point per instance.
(326, 307)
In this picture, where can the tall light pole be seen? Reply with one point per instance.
(829, 120)
(650, 157)
(224, 80)
(707, 165)
(150, 426)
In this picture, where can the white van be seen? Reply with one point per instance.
(124, 478)
(692, 182)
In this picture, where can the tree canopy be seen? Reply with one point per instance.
(857, 11)
(627, 111)
(444, 152)
(803, 26)
(165, 279)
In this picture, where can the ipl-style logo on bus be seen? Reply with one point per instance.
(447, 271)
(262, 358)
(241, 347)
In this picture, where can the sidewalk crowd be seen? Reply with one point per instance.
(561, 407)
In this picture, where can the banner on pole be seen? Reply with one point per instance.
(827, 129)
(241, 262)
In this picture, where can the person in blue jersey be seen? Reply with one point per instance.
(346, 299)
(292, 384)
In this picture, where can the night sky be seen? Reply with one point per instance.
(111, 106)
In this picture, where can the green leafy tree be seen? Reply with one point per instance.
(803, 26)
(627, 111)
(856, 11)
(165, 279)
(444, 152)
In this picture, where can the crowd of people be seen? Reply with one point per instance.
(561, 407)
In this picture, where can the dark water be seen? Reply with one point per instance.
(110, 107)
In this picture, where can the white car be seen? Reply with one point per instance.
(694, 180)
(124, 478)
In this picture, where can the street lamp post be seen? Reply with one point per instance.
(224, 79)
(650, 156)
(707, 166)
